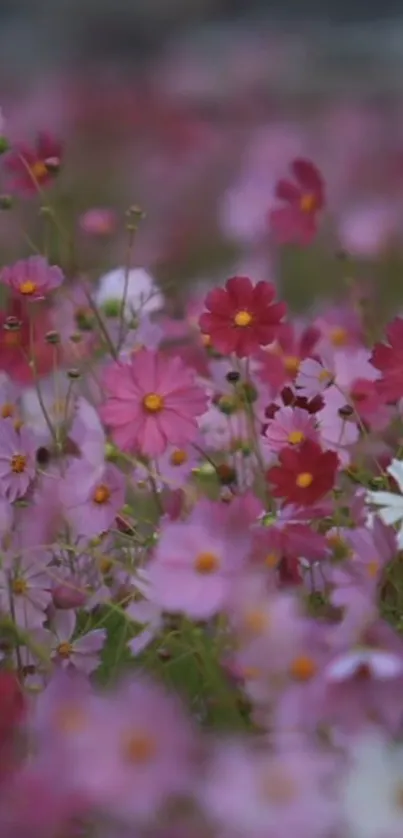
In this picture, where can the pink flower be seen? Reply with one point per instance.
(196, 563)
(312, 378)
(32, 278)
(259, 792)
(388, 358)
(17, 460)
(25, 583)
(298, 220)
(148, 742)
(338, 431)
(83, 653)
(91, 498)
(290, 426)
(152, 401)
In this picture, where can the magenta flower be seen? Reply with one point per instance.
(32, 278)
(83, 653)
(152, 401)
(92, 499)
(17, 460)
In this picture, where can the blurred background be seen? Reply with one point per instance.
(192, 109)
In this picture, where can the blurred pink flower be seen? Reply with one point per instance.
(98, 221)
(32, 278)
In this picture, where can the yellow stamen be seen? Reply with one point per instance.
(18, 463)
(303, 668)
(338, 336)
(64, 650)
(28, 288)
(178, 457)
(139, 748)
(206, 563)
(295, 437)
(7, 410)
(102, 494)
(304, 480)
(39, 170)
(243, 318)
(291, 364)
(308, 202)
(19, 586)
(153, 402)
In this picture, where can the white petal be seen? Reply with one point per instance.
(385, 499)
(396, 471)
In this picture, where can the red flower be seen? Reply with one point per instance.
(33, 166)
(241, 317)
(304, 474)
(18, 346)
(297, 221)
(280, 361)
(389, 360)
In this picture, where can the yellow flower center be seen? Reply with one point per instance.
(325, 375)
(206, 563)
(304, 480)
(139, 748)
(153, 403)
(338, 336)
(28, 287)
(101, 494)
(278, 787)
(291, 364)
(64, 650)
(39, 170)
(243, 318)
(7, 410)
(105, 564)
(303, 668)
(18, 463)
(251, 673)
(295, 437)
(178, 457)
(271, 560)
(70, 719)
(19, 586)
(373, 567)
(206, 340)
(308, 202)
(255, 621)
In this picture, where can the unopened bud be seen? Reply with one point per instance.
(12, 324)
(73, 374)
(6, 202)
(53, 165)
(53, 338)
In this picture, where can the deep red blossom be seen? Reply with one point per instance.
(304, 474)
(33, 166)
(241, 317)
(297, 220)
(388, 358)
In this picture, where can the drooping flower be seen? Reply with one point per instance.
(33, 166)
(388, 358)
(241, 317)
(297, 221)
(152, 401)
(304, 474)
(32, 278)
(17, 460)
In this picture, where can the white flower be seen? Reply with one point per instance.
(372, 789)
(391, 504)
(142, 292)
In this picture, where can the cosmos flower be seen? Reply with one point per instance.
(152, 401)
(17, 460)
(32, 278)
(304, 474)
(241, 317)
(304, 200)
(33, 166)
(390, 504)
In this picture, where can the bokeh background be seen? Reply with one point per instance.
(192, 109)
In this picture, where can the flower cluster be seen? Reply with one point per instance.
(201, 525)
